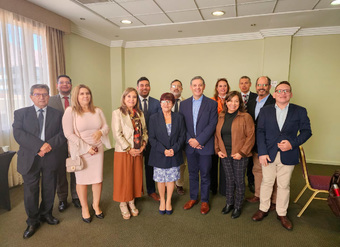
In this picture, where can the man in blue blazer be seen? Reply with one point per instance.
(200, 115)
(38, 131)
(281, 129)
(149, 106)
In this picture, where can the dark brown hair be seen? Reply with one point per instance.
(216, 85)
(168, 96)
(228, 98)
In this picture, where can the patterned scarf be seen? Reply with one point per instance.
(138, 130)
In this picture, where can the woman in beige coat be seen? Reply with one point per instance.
(129, 131)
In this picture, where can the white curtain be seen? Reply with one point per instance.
(23, 62)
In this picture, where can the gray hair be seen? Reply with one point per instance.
(197, 77)
(38, 86)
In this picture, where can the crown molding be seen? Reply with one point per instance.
(90, 35)
(264, 33)
(318, 31)
(323, 162)
(290, 31)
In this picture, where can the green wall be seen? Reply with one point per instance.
(310, 63)
(88, 63)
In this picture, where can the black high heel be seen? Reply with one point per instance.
(99, 216)
(86, 220)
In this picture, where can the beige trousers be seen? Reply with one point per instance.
(283, 174)
(257, 171)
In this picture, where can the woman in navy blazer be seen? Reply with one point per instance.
(166, 136)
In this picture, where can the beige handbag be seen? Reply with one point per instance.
(78, 163)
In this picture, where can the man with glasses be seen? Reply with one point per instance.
(60, 102)
(264, 98)
(278, 144)
(176, 89)
(38, 131)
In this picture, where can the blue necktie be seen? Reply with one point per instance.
(41, 120)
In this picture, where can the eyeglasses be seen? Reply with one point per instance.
(175, 86)
(280, 91)
(166, 101)
(262, 85)
(44, 95)
(64, 83)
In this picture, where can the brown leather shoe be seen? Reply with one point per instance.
(259, 215)
(272, 207)
(285, 222)
(253, 199)
(190, 204)
(205, 208)
(180, 190)
(154, 196)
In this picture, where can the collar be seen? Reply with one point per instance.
(62, 96)
(200, 99)
(37, 108)
(141, 98)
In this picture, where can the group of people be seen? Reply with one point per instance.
(242, 131)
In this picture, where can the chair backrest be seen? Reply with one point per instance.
(304, 165)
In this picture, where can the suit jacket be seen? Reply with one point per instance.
(206, 124)
(56, 103)
(153, 107)
(252, 96)
(269, 134)
(160, 141)
(251, 110)
(123, 130)
(179, 104)
(26, 133)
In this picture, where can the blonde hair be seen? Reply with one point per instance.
(123, 108)
(75, 103)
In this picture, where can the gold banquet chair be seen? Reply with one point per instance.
(315, 183)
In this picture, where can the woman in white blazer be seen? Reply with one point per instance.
(129, 131)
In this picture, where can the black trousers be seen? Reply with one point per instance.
(250, 174)
(48, 177)
(150, 184)
(62, 184)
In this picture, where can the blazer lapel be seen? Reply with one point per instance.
(288, 117)
(34, 119)
(202, 108)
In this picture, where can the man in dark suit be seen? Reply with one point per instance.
(149, 106)
(176, 89)
(278, 144)
(264, 98)
(60, 102)
(200, 115)
(247, 95)
(38, 131)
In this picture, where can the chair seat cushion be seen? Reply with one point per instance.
(319, 182)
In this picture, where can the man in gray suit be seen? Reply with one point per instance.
(38, 131)
(60, 102)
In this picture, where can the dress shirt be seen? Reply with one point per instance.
(247, 95)
(178, 102)
(281, 115)
(196, 104)
(259, 105)
(142, 102)
(63, 100)
(44, 114)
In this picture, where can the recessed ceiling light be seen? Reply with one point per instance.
(82, 19)
(335, 2)
(218, 13)
(179, 31)
(126, 21)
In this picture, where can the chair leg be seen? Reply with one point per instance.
(300, 194)
(307, 204)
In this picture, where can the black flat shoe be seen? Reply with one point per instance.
(87, 220)
(236, 213)
(76, 203)
(227, 209)
(30, 230)
(62, 206)
(49, 219)
(100, 216)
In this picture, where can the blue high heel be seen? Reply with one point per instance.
(162, 212)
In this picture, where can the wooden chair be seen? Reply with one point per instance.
(315, 183)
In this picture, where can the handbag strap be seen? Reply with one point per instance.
(75, 126)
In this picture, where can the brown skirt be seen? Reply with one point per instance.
(127, 177)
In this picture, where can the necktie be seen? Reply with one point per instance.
(245, 98)
(145, 107)
(41, 120)
(176, 105)
(67, 103)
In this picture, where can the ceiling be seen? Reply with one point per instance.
(173, 19)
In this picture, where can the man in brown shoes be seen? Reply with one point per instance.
(281, 129)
